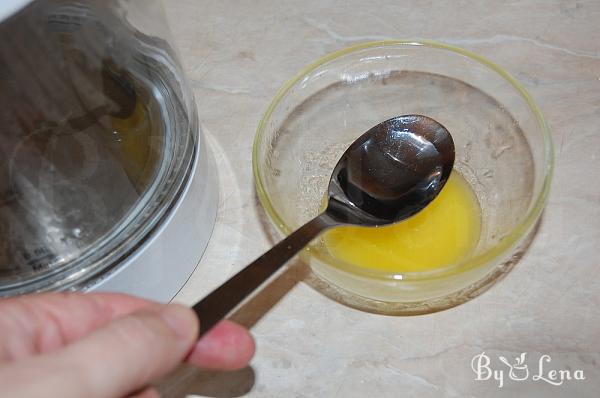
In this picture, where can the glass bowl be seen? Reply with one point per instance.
(503, 150)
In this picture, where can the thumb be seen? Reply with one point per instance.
(113, 361)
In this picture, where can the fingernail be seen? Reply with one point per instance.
(181, 320)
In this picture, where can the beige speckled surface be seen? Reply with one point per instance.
(238, 53)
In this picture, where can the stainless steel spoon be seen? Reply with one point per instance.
(388, 174)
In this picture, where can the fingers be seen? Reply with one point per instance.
(124, 353)
(119, 359)
(132, 351)
(228, 346)
(44, 322)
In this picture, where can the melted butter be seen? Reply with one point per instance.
(443, 233)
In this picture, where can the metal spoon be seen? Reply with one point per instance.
(388, 174)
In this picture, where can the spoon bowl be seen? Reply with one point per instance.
(388, 174)
(391, 172)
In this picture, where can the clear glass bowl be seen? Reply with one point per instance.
(503, 149)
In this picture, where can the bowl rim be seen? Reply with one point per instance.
(498, 251)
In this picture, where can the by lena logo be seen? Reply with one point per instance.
(518, 370)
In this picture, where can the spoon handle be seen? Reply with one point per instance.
(214, 307)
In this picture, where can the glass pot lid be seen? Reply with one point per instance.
(98, 136)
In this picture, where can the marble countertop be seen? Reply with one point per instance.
(238, 53)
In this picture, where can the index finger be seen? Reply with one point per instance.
(42, 323)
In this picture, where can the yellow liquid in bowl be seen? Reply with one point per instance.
(443, 233)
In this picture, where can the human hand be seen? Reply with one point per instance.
(105, 345)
